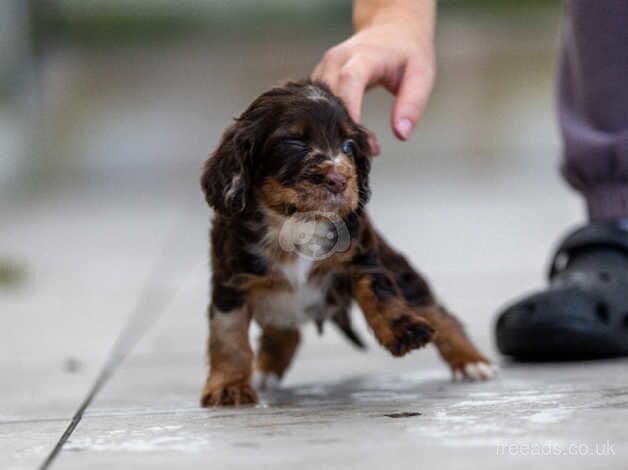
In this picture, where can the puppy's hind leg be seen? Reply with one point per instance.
(455, 347)
(277, 347)
(453, 344)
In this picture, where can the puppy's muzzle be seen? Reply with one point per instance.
(335, 182)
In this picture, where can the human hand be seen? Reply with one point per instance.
(393, 50)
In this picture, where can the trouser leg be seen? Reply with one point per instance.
(593, 104)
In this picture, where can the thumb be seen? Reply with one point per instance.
(412, 95)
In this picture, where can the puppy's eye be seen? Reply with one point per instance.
(297, 143)
(348, 147)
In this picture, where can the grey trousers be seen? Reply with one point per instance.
(593, 104)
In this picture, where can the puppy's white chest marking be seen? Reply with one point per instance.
(289, 309)
(297, 272)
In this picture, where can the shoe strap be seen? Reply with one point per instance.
(606, 234)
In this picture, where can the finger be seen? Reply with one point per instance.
(353, 78)
(317, 72)
(329, 67)
(412, 96)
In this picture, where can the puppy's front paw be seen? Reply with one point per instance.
(228, 395)
(407, 332)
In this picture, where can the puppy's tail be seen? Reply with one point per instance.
(342, 320)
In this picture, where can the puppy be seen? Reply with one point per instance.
(291, 243)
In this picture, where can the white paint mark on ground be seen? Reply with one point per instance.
(181, 443)
(542, 398)
(553, 415)
(382, 396)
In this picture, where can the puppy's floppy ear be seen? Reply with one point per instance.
(363, 164)
(228, 173)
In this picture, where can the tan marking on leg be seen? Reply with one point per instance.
(230, 360)
(396, 326)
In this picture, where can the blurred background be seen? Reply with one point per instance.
(121, 88)
(109, 107)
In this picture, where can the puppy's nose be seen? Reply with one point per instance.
(335, 182)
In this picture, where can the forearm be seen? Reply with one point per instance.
(419, 13)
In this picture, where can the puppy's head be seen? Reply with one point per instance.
(295, 149)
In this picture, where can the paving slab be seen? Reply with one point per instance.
(411, 419)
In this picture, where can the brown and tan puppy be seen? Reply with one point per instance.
(291, 243)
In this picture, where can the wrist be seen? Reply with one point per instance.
(414, 15)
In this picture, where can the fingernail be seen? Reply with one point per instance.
(404, 127)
